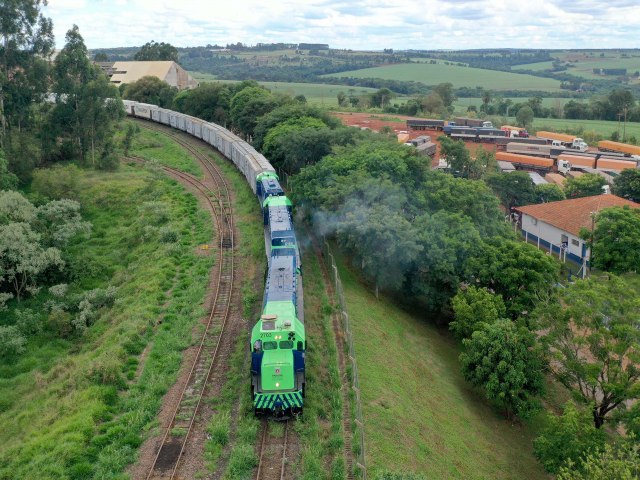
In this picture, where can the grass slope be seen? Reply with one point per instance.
(420, 415)
(78, 408)
(458, 76)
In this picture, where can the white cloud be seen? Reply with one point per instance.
(361, 24)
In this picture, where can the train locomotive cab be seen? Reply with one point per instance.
(278, 346)
(267, 185)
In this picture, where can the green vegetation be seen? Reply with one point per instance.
(154, 51)
(159, 148)
(409, 389)
(458, 76)
(79, 406)
(616, 240)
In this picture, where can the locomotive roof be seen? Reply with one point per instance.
(281, 279)
(279, 219)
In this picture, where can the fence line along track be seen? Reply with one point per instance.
(176, 436)
(272, 463)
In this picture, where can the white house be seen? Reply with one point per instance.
(556, 226)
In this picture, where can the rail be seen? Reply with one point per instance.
(174, 441)
(272, 465)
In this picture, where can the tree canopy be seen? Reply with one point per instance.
(592, 337)
(150, 89)
(154, 51)
(585, 185)
(616, 240)
(627, 184)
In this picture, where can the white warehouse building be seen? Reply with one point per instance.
(556, 226)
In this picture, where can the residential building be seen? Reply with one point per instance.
(555, 226)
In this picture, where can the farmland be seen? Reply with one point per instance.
(432, 74)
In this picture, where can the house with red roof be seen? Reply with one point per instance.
(556, 226)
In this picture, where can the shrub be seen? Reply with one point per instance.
(12, 342)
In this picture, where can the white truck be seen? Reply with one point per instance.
(577, 144)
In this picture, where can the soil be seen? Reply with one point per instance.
(376, 121)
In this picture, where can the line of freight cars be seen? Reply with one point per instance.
(565, 162)
(278, 341)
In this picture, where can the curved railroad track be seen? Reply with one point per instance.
(273, 462)
(176, 437)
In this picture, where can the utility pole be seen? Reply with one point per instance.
(624, 125)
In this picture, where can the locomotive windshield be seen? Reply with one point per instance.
(269, 345)
(286, 344)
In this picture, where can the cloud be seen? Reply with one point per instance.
(360, 24)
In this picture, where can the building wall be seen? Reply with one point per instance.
(534, 229)
(178, 77)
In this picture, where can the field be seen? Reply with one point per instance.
(582, 63)
(602, 127)
(316, 93)
(463, 103)
(459, 76)
(420, 415)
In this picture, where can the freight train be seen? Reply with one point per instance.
(278, 341)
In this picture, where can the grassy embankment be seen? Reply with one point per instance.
(420, 415)
(79, 407)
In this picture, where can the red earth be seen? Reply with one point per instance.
(398, 124)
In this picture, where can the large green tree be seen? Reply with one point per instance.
(87, 105)
(616, 240)
(592, 338)
(627, 184)
(620, 462)
(456, 154)
(518, 271)
(151, 89)
(154, 51)
(504, 360)
(513, 189)
(446, 93)
(524, 117)
(567, 437)
(208, 101)
(248, 105)
(472, 308)
(27, 40)
(585, 185)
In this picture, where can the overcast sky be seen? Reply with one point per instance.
(364, 24)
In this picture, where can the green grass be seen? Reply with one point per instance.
(160, 148)
(316, 93)
(458, 76)
(463, 103)
(419, 413)
(77, 408)
(602, 127)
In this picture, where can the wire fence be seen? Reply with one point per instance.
(358, 431)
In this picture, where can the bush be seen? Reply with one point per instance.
(57, 182)
(567, 438)
(12, 342)
(60, 322)
(474, 307)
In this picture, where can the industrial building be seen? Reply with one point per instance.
(121, 73)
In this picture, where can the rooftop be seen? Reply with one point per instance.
(574, 214)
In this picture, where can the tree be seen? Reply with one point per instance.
(381, 97)
(567, 437)
(447, 241)
(484, 163)
(616, 240)
(627, 184)
(433, 103)
(129, 133)
(8, 181)
(473, 307)
(504, 360)
(456, 154)
(209, 101)
(519, 272)
(87, 104)
(548, 192)
(513, 189)
(342, 99)
(27, 39)
(12, 342)
(150, 89)
(524, 117)
(249, 104)
(153, 51)
(619, 462)
(100, 57)
(585, 185)
(445, 91)
(592, 338)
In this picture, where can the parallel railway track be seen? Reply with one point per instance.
(176, 437)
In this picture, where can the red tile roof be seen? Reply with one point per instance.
(574, 214)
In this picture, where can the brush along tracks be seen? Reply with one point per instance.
(216, 343)
(347, 431)
(273, 461)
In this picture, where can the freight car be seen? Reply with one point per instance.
(625, 148)
(278, 341)
(426, 124)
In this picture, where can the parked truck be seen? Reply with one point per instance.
(472, 122)
(515, 132)
(424, 145)
(426, 124)
(527, 162)
(625, 148)
(546, 150)
(598, 162)
(569, 141)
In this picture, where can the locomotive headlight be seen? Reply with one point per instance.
(277, 384)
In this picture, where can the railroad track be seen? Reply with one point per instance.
(272, 463)
(176, 436)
